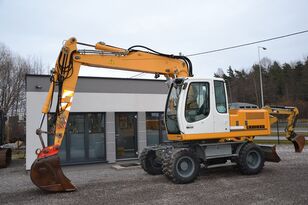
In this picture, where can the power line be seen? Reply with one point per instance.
(247, 44)
(238, 46)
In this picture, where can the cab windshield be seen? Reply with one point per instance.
(171, 109)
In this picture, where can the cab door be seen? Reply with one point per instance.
(221, 114)
(197, 116)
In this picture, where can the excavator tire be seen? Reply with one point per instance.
(182, 166)
(150, 163)
(251, 159)
(166, 161)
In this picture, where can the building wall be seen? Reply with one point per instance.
(106, 95)
(141, 131)
(110, 137)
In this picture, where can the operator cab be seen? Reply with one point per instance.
(193, 104)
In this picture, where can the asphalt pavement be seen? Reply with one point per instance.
(285, 182)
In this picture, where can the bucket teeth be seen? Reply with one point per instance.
(47, 174)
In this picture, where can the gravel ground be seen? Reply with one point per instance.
(279, 183)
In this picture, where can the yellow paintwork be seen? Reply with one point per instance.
(103, 47)
(255, 122)
(291, 113)
(123, 60)
(219, 135)
(246, 118)
(136, 61)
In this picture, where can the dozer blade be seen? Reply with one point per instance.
(270, 153)
(298, 142)
(47, 174)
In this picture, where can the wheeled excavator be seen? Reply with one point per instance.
(201, 129)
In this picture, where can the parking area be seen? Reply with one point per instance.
(279, 183)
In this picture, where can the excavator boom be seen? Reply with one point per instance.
(46, 172)
(291, 114)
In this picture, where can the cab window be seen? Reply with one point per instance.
(220, 97)
(197, 106)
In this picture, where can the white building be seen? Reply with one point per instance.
(111, 119)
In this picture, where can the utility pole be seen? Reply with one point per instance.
(260, 69)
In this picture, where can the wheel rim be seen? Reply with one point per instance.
(185, 166)
(253, 159)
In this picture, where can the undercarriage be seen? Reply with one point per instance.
(181, 161)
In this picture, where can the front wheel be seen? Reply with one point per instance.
(250, 159)
(182, 166)
(150, 163)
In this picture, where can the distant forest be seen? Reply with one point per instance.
(283, 84)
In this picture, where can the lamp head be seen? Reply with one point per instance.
(262, 47)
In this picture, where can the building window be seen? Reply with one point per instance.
(84, 139)
(156, 130)
(75, 133)
(96, 136)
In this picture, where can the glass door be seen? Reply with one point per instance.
(156, 130)
(75, 133)
(126, 135)
(84, 140)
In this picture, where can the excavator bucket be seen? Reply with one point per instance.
(298, 142)
(47, 174)
(270, 153)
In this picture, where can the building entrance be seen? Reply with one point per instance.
(126, 135)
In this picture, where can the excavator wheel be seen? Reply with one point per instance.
(182, 166)
(250, 159)
(150, 163)
(47, 174)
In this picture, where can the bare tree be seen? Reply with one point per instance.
(6, 67)
(13, 69)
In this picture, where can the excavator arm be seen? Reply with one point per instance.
(291, 114)
(46, 172)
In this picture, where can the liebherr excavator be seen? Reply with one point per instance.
(201, 128)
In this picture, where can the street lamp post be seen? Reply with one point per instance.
(260, 69)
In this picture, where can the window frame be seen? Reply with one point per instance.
(225, 97)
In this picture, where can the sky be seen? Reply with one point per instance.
(37, 28)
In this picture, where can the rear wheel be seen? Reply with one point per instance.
(182, 166)
(150, 163)
(251, 159)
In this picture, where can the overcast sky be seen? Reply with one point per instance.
(38, 28)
